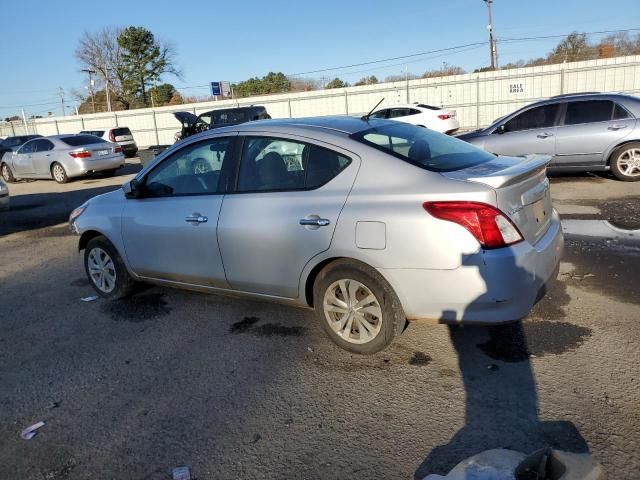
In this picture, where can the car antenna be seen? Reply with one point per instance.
(366, 117)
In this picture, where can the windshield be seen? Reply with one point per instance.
(422, 147)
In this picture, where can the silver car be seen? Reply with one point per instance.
(62, 157)
(370, 223)
(582, 132)
(4, 196)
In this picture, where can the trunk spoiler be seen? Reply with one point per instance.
(503, 171)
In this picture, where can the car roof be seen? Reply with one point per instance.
(337, 124)
(586, 96)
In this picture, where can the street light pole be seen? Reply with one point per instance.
(492, 42)
(93, 101)
(61, 93)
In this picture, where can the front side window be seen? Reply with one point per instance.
(422, 147)
(42, 146)
(28, 147)
(538, 117)
(399, 112)
(269, 164)
(192, 170)
(589, 111)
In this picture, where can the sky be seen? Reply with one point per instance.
(244, 38)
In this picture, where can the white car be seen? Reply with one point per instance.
(120, 135)
(4, 196)
(434, 118)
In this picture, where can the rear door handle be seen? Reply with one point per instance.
(316, 222)
(196, 218)
(617, 127)
(545, 135)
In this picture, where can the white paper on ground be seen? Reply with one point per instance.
(30, 432)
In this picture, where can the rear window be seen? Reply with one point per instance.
(589, 111)
(421, 147)
(97, 133)
(121, 131)
(80, 140)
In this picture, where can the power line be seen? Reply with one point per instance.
(546, 37)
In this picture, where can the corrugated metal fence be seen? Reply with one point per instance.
(478, 98)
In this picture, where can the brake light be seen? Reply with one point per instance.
(80, 154)
(118, 149)
(487, 224)
(444, 117)
(112, 137)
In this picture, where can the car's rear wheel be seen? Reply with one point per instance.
(7, 174)
(106, 270)
(356, 307)
(58, 173)
(625, 162)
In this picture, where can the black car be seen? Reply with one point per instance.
(11, 144)
(192, 124)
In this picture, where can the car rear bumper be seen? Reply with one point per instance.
(82, 166)
(129, 148)
(491, 286)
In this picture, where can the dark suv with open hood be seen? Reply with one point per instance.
(224, 117)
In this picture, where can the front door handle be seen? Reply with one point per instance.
(617, 127)
(315, 222)
(545, 135)
(196, 218)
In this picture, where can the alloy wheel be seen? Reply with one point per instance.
(5, 173)
(353, 311)
(629, 162)
(101, 270)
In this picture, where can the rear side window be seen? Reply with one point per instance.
(28, 147)
(588, 112)
(97, 133)
(538, 117)
(80, 140)
(424, 148)
(619, 113)
(120, 131)
(277, 164)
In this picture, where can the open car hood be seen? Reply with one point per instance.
(187, 119)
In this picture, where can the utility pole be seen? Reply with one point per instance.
(61, 93)
(106, 82)
(492, 42)
(24, 119)
(90, 72)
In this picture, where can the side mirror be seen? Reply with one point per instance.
(131, 189)
(500, 130)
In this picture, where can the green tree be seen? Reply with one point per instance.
(161, 94)
(272, 82)
(336, 83)
(572, 49)
(370, 80)
(143, 61)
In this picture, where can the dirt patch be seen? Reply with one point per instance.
(138, 308)
(243, 325)
(420, 359)
(517, 342)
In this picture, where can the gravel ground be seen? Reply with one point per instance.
(243, 389)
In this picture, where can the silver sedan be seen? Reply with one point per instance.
(61, 157)
(369, 222)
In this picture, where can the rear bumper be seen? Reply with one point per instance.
(491, 286)
(82, 166)
(129, 148)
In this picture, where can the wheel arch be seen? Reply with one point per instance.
(87, 236)
(617, 147)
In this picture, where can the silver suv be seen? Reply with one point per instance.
(582, 132)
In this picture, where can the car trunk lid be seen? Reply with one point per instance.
(521, 187)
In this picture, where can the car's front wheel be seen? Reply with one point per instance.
(356, 307)
(625, 162)
(7, 174)
(106, 270)
(58, 173)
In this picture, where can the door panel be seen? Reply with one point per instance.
(171, 233)
(263, 243)
(541, 140)
(22, 164)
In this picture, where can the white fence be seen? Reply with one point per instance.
(478, 98)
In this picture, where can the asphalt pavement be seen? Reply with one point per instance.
(235, 388)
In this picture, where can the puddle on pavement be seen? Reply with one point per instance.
(137, 308)
(517, 342)
(249, 325)
(621, 212)
(420, 359)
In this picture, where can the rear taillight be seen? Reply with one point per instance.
(487, 224)
(80, 154)
(118, 149)
(444, 117)
(112, 137)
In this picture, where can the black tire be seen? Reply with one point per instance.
(109, 173)
(58, 173)
(393, 318)
(7, 174)
(124, 284)
(620, 155)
